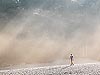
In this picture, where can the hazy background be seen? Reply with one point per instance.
(46, 31)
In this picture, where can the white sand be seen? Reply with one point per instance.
(77, 69)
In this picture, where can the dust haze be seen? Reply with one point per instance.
(45, 31)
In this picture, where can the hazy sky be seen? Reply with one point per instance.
(39, 31)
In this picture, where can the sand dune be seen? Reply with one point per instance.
(77, 69)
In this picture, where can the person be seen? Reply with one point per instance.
(71, 59)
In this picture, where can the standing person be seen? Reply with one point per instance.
(71, 59)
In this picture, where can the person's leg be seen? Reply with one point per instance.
(71, 62)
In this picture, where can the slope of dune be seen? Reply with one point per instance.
(77, 69)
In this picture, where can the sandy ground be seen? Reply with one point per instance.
(77, 69)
